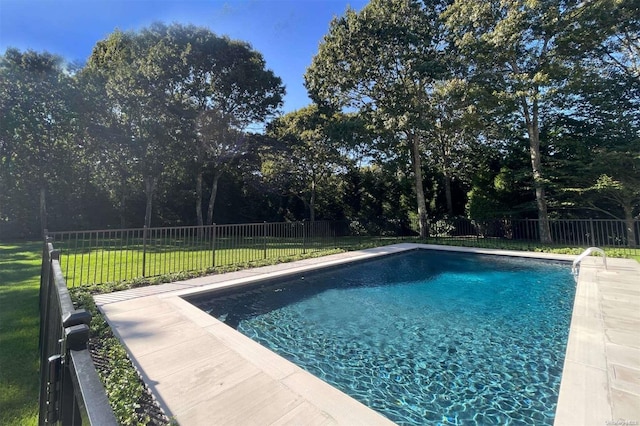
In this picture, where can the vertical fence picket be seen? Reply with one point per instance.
(304, 237)
(238, 248)
(234, 247)
(213, 246)
(225, 235)
(264, 240)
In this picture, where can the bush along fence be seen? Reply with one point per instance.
(70, 390)
(94, 257)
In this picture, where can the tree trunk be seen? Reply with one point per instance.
(149, 189)
(123, 201)
(417, 173)
(43, 210)
(312, 203)
(541, 201)
(447, 191)
(212, 198)
(538, 181)
(199, 199)
(445, 152)
(630, 225)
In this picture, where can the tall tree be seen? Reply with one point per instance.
(108, 145)
(142, 80)
(36, 129)
(227, 88)
(455, 130)
(383, 61)
(306, 154)
(513, 48)
(595, 134)
(218, 145)
(596, 150)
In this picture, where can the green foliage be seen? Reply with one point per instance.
(436, 92)
(37, 137)
(481, 206)
(513, 49)
(442, 228)
(199, 92)
(384, 61)
(608, 37)
(122, 383)
(568, 69)
(595, 148)
(305, 154)
(137, 73)
(376, 204)
(379, 60)
(226, 88)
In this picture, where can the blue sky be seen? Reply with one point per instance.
(286, 32)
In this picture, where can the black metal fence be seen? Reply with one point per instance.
(70, 391)
(94, 257)
(89, 257)
(607, 233)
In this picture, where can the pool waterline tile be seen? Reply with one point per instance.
(322, 405)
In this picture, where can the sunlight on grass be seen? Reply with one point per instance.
(19, 328)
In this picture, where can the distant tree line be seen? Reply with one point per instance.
(423, 110)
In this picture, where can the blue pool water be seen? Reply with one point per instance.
(423, 337)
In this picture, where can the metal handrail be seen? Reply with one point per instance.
(587, 252)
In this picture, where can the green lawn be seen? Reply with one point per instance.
(19, 328)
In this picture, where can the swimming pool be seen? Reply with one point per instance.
(422, 337)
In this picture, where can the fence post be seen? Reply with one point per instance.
(213, 245)
(76, 336)
(45, 271)
(49, 367)
(304, 242)
(593, 235)
(49, 408)
(144, 251)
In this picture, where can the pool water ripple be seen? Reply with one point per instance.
(423, 338)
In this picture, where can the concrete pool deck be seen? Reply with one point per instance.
(203, 372)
